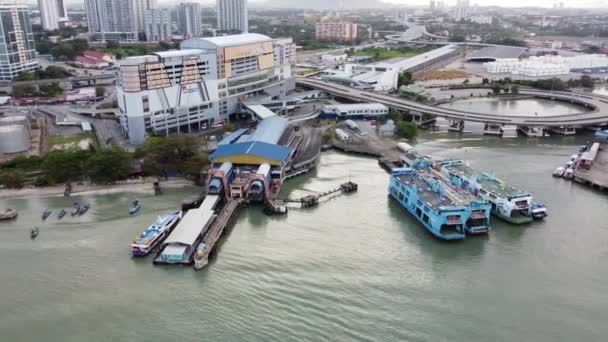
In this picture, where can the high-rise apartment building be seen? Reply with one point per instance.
(203, 83)
(336, 30)
(158, 25)
(139, 8)
(232, 15)
(189, 19)
(111, 20)
(17, 51)
(52, 12)
(462, 10)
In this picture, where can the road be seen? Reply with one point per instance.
(598, 115)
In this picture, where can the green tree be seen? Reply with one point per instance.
(587, 81)
(515, 89)
(100, 91)
(25, 76)
(64, 165)
(405, 78)
(152, 168)
(52, 72)
(24, 90)
(12, 178)
(466, 81)
(113, 44)
(496, 89)
(52, 89)
(485, 80)
(407, 129)
(108, 165)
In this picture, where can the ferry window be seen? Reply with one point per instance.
(425, 218)
(418, 211)
(400, 196)
(145, 103)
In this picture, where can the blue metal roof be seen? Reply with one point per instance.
(270, 130)
(255, 148)
(232, 137)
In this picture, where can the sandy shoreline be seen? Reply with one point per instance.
(138, 186)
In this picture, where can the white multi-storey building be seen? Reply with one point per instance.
(158, 25)
(232, 15)
(111, 20)
(17, 51)
(138, 12)
(203, 83)
(461, 10)
(189, 19)
(52, 12)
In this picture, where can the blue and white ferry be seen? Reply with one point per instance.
(508, 203)
(422, 196)
(151, 237)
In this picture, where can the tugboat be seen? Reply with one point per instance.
(84, 209)
(34, 233)
(46, 213)
(135, 206)
(75, 209)
(8, 214)
(155, 234)
(61, 213)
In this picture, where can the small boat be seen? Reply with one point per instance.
(135, 206)
(61, 213)
(155, 234)
(8, 214)
(200, 256)
(34, 232)
(75, 209)
(569, 173)
(538, 211)
(46, 213)
(83, 209)
(559, 172)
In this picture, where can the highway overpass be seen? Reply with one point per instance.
(90, 78)
(596, 112)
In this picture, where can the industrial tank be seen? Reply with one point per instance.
(14, 138)
(20, 120)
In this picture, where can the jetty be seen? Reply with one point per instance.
(593, 167)
(313, 200)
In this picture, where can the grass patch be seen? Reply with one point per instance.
(69, 141)
(380, 54)
(307, 72)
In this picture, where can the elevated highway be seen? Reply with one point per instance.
(90, 78)
(595, 113)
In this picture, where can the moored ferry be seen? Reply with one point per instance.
(422, 196)
(508, 203)
(156, 232)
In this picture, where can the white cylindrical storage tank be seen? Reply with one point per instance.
(20, 120)
(14, 139)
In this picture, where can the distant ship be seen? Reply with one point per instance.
(156, 233)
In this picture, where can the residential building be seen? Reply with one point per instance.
(52, 12)
(462, 10)
(481, 19)
(553, 44)
(232, 15)
(17, 51)
(336, 30)
(189, 20)
(111, 20)
(202, 84)
(139, 8)
(158, 25)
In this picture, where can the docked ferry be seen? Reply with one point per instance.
(508, 203)
(478, 210)
(156, 232)
(422, 196)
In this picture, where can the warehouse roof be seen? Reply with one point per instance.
(232, 137)
(496, 52)
(261, 111)
(412, 62)
(258, 149)
(356, 106)
(225, 41)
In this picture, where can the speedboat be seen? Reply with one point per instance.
(61, 213)
(46, 213)
(538, 211)
(135, 206)
(34, 232)
(8, 214)
(83, 209)
(156, 233)
(559, 172)
(569, 173)
(75, 209)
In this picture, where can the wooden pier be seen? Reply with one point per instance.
(597, 175)
(201, 258)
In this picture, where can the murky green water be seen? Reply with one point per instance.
(356, 268)
(521, 107)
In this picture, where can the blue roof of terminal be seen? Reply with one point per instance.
(232, 137)
(255, 148)
(270, 130)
